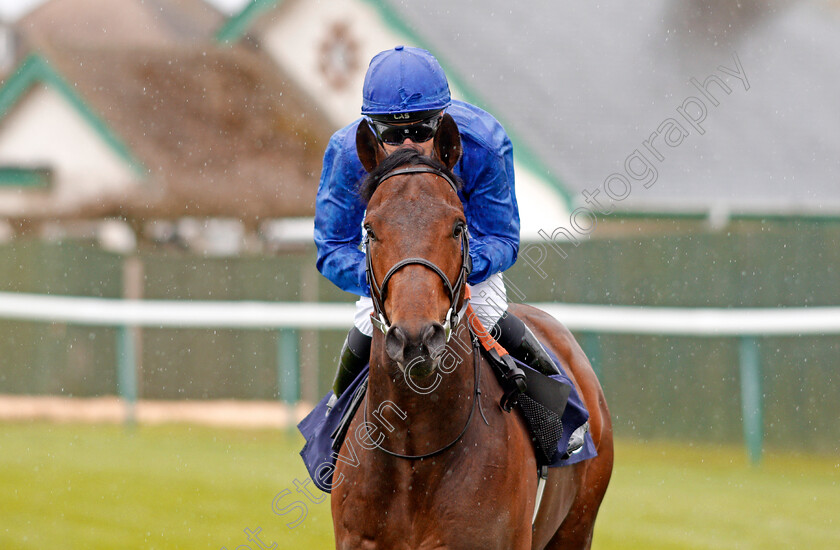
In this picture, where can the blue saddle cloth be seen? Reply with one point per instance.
(317, 429)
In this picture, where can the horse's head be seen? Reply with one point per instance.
(416, 245)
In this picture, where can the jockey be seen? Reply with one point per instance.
(404, 95)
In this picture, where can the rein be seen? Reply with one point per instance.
(377, 294)
(476, 400)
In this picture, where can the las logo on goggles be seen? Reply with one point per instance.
(417, 132)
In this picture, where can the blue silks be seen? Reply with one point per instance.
(488, 196)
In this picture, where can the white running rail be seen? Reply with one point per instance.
(245, 314)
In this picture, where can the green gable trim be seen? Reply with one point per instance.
(522, 152)
(236, 26)
(35, 69)
(31, 178)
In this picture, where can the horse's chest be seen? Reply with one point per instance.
(406, 507)
(461, 524)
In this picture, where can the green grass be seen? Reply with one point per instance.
(80, 486)
(98, 487)
(669, 496)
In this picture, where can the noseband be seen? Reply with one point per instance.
(377, 294)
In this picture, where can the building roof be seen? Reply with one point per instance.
(129, 22)
(218, 132)
(583, 86)
(213, 131)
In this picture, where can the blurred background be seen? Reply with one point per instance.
(668, 154)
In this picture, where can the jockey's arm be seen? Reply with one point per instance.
(491, 210)
(338, 217)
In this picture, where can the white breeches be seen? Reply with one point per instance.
(488, 299)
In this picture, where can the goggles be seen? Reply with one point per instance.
(396, 134)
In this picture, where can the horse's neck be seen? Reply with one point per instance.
(424, 416)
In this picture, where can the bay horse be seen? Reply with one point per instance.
(446, 476)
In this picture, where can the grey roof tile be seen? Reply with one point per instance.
(584, 86)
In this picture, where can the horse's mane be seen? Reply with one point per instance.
(401, 157)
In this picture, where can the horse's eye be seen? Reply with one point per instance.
(458, 229)
(369, 231)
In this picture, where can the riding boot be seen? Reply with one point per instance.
(355, 354)
(520, 342)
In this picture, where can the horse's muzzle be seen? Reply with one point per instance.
(419, 354)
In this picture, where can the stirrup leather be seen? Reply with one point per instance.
(511, 376)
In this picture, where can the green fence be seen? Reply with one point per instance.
(657, 386)
(57, 358)
(690, 387)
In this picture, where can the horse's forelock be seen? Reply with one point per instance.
(401, 157)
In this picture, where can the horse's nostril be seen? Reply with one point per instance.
(430, 343)
(395, 342)
(434, 338)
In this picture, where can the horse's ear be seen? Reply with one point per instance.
(448, 142)
(368, 149)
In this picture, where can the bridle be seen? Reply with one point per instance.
(380, 319)
(377, 292)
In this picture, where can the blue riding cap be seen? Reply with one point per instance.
(404, 80)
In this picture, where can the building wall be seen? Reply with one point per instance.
(326, 47)
(45, 131)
